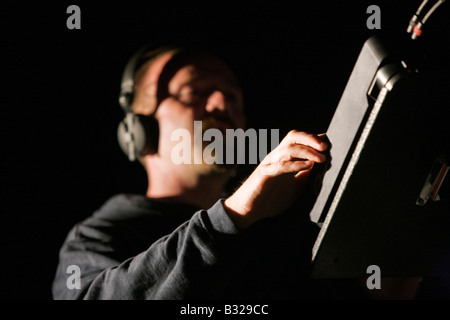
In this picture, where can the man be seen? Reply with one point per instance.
(182, 240)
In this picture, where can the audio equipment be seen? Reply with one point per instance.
(385, 200)
(137, 134)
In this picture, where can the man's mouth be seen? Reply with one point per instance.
(220, 123)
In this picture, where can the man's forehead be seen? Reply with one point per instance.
(202, 74)
(156, 67)
(196, 66)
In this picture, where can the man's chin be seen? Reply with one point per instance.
(216, 168)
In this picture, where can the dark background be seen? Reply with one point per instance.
(60, 158)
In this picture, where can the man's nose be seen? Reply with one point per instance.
(216, 102)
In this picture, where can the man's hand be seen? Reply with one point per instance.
(278, 180)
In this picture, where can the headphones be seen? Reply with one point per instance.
(137, 134)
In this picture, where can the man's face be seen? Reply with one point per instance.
(201, 89)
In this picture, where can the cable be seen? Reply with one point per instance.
(424, 3)
(415, 17)
(415, 25)
(432, 10)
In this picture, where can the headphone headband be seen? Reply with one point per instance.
(127, 84)
(144, 54)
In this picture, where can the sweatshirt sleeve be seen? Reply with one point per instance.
(196, 260)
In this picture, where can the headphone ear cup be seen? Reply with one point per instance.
(151, 131)
(138, 135)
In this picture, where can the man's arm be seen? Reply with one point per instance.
(196, 260)
(279, 179)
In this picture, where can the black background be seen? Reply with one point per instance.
(60, 157)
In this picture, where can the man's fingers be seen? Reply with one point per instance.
(291, 159)
(324, 139)
(295, 166)
(300, 152)
(297, 152)
(317, 142)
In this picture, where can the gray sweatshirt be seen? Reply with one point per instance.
(138, 248)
